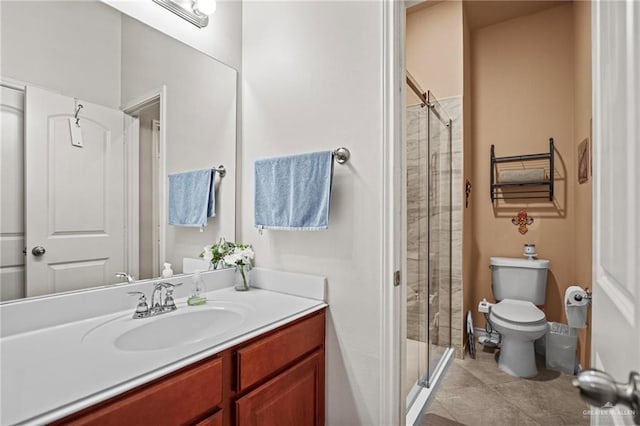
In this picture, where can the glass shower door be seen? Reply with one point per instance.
(428, 242)
(417, 241)
(439, 234)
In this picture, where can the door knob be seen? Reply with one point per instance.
(598, 389)
(38, 251)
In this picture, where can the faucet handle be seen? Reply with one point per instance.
(169, 303)
(126, 276)
(143, 308)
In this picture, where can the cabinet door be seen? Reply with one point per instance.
(293, 398)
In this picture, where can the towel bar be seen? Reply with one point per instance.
(341, 155)
(221, 170)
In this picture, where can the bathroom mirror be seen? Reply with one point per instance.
(171, 109)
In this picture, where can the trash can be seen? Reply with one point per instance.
(561, 342)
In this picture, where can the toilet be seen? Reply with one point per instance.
(519, 286)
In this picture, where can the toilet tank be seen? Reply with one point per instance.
(520, 279)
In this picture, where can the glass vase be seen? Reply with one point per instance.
(242, 279)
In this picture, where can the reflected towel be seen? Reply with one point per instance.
(191, 198)
(293, 192)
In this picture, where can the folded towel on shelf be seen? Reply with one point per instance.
(521, 176)
(293, 192)
(191, 198)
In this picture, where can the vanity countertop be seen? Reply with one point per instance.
(52, 372)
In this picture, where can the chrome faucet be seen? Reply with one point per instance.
(129, 278)
(157, 307)
(161, 306)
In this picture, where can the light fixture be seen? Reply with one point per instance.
(195, 11)
(206, 7)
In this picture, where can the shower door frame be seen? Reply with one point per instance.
(428, 369)
(432, 367)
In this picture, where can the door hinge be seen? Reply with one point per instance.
(396, 278)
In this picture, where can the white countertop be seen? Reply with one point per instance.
(49, 373)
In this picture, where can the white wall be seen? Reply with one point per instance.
(221, 39)
(42, 43)
(200, 124)
(313, 81)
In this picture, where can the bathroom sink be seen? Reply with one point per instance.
(180, 329)
(186, 325)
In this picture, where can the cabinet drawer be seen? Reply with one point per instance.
(178, 399)
(260, 359)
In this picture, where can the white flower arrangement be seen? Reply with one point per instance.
(240, 257)
(215, 253)
(230, 254)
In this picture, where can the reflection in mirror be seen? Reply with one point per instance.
(97, 110)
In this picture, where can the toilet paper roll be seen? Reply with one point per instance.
(575, 296)
(576, 310)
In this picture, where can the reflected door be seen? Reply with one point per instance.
(12, 194)
(75, 195)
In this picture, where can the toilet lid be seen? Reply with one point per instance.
(519, 311)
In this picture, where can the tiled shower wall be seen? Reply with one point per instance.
(417, 240)
(444, 297)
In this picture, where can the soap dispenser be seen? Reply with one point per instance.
(197, 288)
(167, 272)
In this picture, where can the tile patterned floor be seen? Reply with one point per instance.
(476, 392)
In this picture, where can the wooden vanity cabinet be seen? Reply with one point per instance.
(274, 379)
(293, 357)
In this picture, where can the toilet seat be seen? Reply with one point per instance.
(520, 312)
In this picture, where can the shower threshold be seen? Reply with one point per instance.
(425, 395)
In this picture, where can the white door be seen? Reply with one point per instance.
(75, 196)
(616, 126)
(11, 194)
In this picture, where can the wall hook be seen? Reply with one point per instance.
(78, 108)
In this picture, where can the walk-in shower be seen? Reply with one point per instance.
(429, 239)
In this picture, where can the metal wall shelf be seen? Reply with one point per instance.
(518, 191)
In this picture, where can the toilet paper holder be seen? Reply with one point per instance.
(588, 296)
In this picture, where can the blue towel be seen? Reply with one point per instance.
(293, 192)
(191, 198)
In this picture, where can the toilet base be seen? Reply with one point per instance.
(517, 358)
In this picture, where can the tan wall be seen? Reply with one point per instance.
(522, 77)
(434, 49)
(582, 130)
